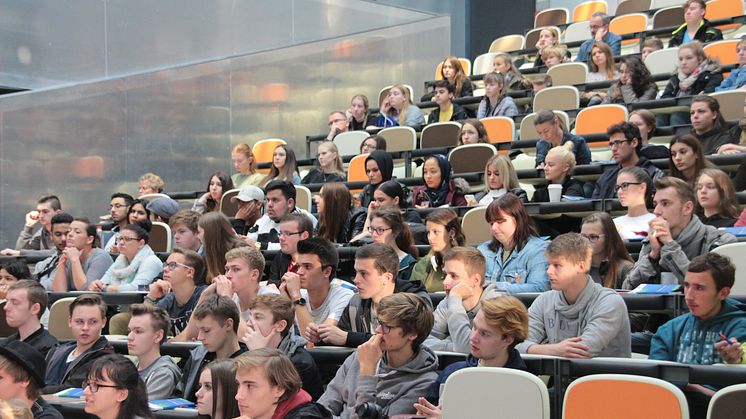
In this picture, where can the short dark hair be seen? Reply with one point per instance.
(52, 200)
(287, 188)
(304, 223)
(128, 199)
(94, 300)
(62, 218)
(700, 2)
(720, 268)
(385, 257)
(90, 230)
(35, 293)
(159, 317)
(323, 249)
(445, 84)
(630, 132)
(220, 308)
(141, 229)
(194, 261)
(18, 268)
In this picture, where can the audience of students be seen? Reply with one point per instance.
(634, 187)
(558, 164)
(514, 80)
(645, 121)
(635, 83)
(339, 221)
(610, 262)
(496, 102)
(358, 114)
(472, 132)
(578, 318)
(284, 166)
(540, 82)
(552, 134)
(137, 265)
(444, 232)
(446, 110)
(293, 228)
(216, 393)
(397, 109)
(45, 270)
(500, 178)
(82, 261)
(338, 124)
(388, 227)
(245, 164)
(389, 194)
(210, 201)
(687, 159)
(217, 237)
(161, 209)
(552, 56)
(737, 78)
(37, 243)
(330, 167)
(708, 124)
(717, 204)
(439, 188)
(515, 255)
(695, 26)
(599, 26)
(548, 38)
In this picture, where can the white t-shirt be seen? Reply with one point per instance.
(626, 225)
(334, 305)
(263, 289)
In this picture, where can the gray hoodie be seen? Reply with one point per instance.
(599, 317)
(395, 390)
(696, 239)
(160, 378)
(452, 326)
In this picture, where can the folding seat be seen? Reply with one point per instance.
(483, 63)
(723, 9)
(585, 10)
(668, 17)
(507, 43)
(578, 31)
(557, 98)
(632, 6)
(476, 230)
(348, 143)
(596, 119)
(527, 130)
(568, 74)
(160, 237)
(629, 23)
(663, 61)
(399, 138)
(731, 103)
(228, 208)
(263, 151)
(727, 401)
(465, 64)
(552, 17)
(500, 129)
(440, 134)
(470, 158)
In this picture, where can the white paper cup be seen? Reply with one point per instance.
(555, 192)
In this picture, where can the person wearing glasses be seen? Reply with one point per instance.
(293, 228)
(388, 227)
(611, 261)
(635, 190)
(599, 25)
(114, 390)
(625, 144)
(69, 363)
(119, 208)
(137, 265)
(82, 261)
(338, 124)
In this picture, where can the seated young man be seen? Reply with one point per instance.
(184, 227)
(38, 243)
(119, 208)
(25, 304)
(146, 331)
(498, 327)
(464, 268)
(271, 325)
(69, 363)
(280, 201)
(22, 371)
(293, 228)
(82, 261)
(317, 299)
(578, 318)
(446, 109)
(391, 370)
(376, 269)
(45, 270)
(216, 319)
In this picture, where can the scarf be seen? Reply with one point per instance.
(124, 272)
(686, 82)
(437, 197)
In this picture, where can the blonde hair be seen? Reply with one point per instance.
(154, 181)
(473, 260)
(276, 367)
(250, 254)
(14, 409)
(405, 106)
(564, 154)
(558, 51)
(246, 151)
(331, 147)
(507, 315)
(698, 50)
(505, 168)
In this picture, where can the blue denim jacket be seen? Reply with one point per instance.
(524, 271)
(736, 79)
(580, 148)
(613, 40)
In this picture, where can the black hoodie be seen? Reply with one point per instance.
(386, 166)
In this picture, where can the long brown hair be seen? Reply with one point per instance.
(337, 203)
(606, 50)
(224, 387)
(728, 205)
(288, 171)
(393, 218)
(510, 205)
(458, 77)
(448, 219)
(692, 142)
(614, 249)
(218, 239)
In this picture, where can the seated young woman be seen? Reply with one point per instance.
(379, 166)
(634, 188)
(217, 385)
(515, 254)
(397, 110)
(686, 159)
(11, 272)
(439, 189)
(389, 194)
(503, 64)
(499, 178)
(443, 233)
(717, 204)
(330, 167)
(388, 227)
(114, 390)
(635, 83)
(373, 143)
(548, 38)
(358, 114)
(139, 211)
(645, 121)
(245, 164)
(210, 200)
(602, 68)
(453, 71)
(496, 102)
(472, 132)
(217, 235)
(136, 264)
(339, 221)
(284, 166)
(708, 124)
(558, 164)
(611, 261)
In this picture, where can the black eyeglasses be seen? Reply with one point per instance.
(379, 230)
(173, 265)
(624, 185)
(613, 144)
(95, 386)
(385, 328)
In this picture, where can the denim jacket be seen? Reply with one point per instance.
(735, 80)
(524, 271)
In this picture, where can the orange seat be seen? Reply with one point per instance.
(617, 396)
(585, 10)
(356, 170)
(465, 64)
(596, 119)
(630, 23)
(724, 51)
(722, 9)
(500, 129)
(263, 151)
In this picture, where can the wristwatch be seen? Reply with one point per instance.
(300, 302)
